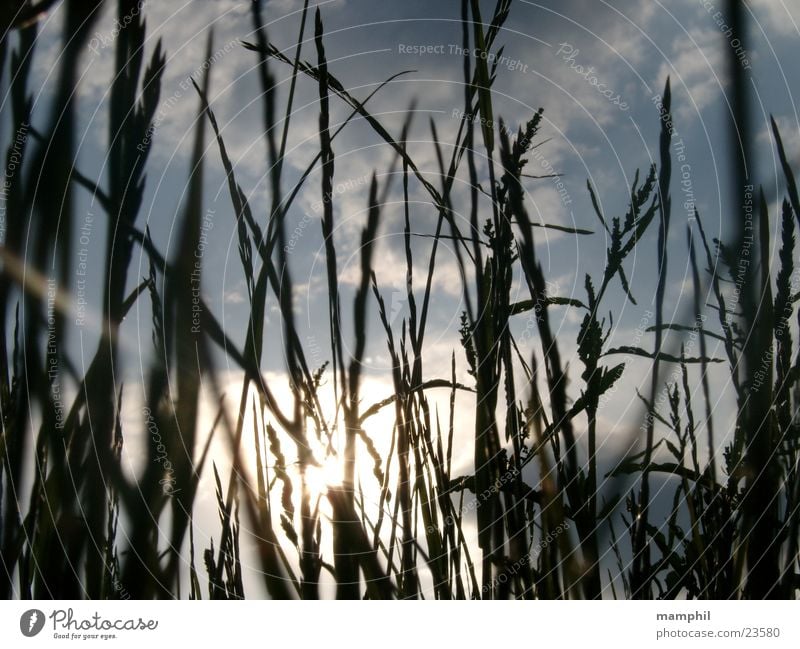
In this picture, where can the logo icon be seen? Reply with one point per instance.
(31, 622)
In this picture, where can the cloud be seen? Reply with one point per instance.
(777, 15)
(235, 296)
(697, 68)
(790, 136)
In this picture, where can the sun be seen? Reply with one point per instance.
(328, 473)
(326, 469)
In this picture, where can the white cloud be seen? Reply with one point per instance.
(790, 136)
(697, 68)
(779, 15)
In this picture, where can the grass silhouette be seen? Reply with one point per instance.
(547, 514)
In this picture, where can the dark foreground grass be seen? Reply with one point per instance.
(548, 519)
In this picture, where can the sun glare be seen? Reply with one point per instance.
(329, 474)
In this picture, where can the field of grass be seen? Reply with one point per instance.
(326, 487)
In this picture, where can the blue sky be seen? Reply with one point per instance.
(632, 47)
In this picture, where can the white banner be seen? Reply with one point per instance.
(391, 625)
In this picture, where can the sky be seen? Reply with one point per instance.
(553, 53)
(597, 69)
